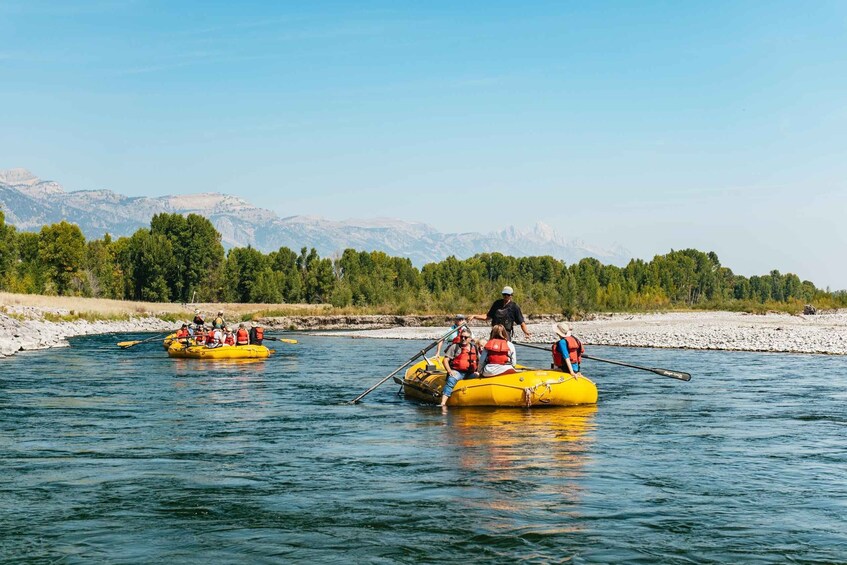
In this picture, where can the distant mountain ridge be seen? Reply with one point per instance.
(30, 202)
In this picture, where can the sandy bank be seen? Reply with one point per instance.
(823, 333)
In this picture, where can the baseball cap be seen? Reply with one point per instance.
(507, 290)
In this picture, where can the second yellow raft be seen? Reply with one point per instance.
(424, 381)
(224, 352)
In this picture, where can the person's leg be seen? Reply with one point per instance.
(452, 379)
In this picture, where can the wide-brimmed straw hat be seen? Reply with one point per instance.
(562, 329)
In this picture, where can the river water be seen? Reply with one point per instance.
(128, 456)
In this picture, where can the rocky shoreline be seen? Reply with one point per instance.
(728, 331)
(25, 328)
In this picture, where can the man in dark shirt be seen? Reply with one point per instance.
(507, 313)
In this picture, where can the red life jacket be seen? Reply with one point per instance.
(210, 338)
(575, 351)
(242, 337)
(182, 333)
(457, 339)
(229, 339)
(467, 359)
(260, 332)
(498, 351)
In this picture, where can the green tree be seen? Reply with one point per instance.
(61, 248)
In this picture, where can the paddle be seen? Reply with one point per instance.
(679, 375)
(422, 352)
(282, 339)
(128, 344)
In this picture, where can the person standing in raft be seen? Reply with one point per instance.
(219, 322)
(498, 354)
(506, 313)
(453, 336)
(567, 352)
(462, 358)
(198, 321)
(257, 334)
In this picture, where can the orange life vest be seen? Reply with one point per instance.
(575, 351)
(467, 360)
(200, 336)
(182, 333)
(242, 337)
(210, 338)
(229, 339)
(260, 332)
(498, 351)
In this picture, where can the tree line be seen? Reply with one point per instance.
(181, 258)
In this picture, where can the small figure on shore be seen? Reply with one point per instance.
(257, 334)
(242, 336)
(567, 352)
(453, 336)
(506, 313)
(198, 321)
(498, 354)
(219, 322)
(462, 359)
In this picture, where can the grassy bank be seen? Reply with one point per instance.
(68, 308)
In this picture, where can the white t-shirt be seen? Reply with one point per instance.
(493, 369)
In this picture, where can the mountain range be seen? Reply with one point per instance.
(29, 202)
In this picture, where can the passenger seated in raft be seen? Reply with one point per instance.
(498, 354)
(453, 336)
(242, 336)
(567, 352)
(229, 338)
(182, 334)
(461, 361)
(214, 338)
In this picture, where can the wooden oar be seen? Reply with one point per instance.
(128, 344)
(420, 353)
(679, 375)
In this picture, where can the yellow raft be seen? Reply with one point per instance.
(527, 387)
(224, 352)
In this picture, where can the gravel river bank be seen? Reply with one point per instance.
(730, 331)
(25, 328)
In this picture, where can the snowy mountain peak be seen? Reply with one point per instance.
(18, 177)
(29, 203)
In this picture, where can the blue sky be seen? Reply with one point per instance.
(656, 125)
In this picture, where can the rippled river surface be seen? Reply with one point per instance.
(129, 456)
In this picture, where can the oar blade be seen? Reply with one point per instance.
(286, 340)
(673, 374)
(125, 344)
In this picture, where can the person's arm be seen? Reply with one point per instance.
(566, 354)
(520, 320)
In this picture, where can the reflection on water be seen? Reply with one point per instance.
(128, 456)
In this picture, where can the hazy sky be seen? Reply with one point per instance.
(657, 125)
